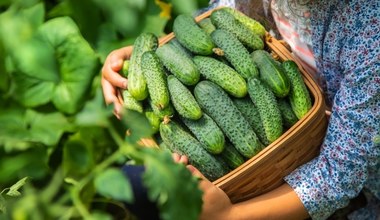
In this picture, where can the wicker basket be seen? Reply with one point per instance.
(298, 145)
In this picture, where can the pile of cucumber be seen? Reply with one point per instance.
(214, 92)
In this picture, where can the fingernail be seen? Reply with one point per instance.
(125, 84)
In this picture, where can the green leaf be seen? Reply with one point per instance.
(69, 67)
(13, 190)
(137, 125)
(78, 157)
(114, 184)
(172, 186)
(95, 113)
(24, 128)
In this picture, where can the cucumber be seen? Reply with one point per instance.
(266, 104)
(226, 21)
(124, 69)
(136, 80)
(161, 113)
(207, 132)
(129, 102)
(183, 100)
(156, 79)
(271, 73)
(191, 36)
(299, 96)
(179, 64)
(174, 42)
(215, 102)
(177, 139)
(235, 53)
(255, 26)
(153, 119)
(232, 156)
(207, 25)
(222, 74)
(250, 112)
(289, 118)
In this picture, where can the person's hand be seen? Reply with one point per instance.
(180, 158)
(216, 204)
(112, 80)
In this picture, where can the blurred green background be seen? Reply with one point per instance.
(54, 127)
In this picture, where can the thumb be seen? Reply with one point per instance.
(195, 172)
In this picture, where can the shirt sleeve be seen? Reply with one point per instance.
(348, 153)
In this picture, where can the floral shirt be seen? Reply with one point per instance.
(345, 38)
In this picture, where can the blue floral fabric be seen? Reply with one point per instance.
(346, 47)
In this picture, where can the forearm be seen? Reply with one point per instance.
(281, 203)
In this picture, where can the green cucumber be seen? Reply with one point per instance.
(178, 64)
(174, 42)
(232, 156)
(124, 69)
(235, 53)
(299, 95)
(251, 23)
(129, 102)
(155, 78)
(136, 80)
(161, 113)
(289, 118)
(251, 113)
(191, 36)
(271, 73)
(177, 139)
(215, 102)
(207, 132)
(153, 119)
(226, 21)
(266, 104)
(207, 25)
(183, 100)
(222, 74)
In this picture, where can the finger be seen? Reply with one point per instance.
(114, 77)
(195, 172)
(183, 159)
(109, 92)
(176, 157)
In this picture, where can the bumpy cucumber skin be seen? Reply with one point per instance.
(124, 69)
(136, 80)
(178, 64)
(299, 95)
(129, 102)
(215, 102)
(226, 21)
(235, 53)
(155, 78)
(266, 104)
(179, 140)
(222, 74)
(289, 118)
(174, 42)
(191, 36)
(207, 25)
(231, 156)
(183, 100)
(251, 23)
(251, 113)
(207, 132)
(153, 119)
(271, 73)
(161, 113)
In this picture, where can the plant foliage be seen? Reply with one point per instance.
(61, 148)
